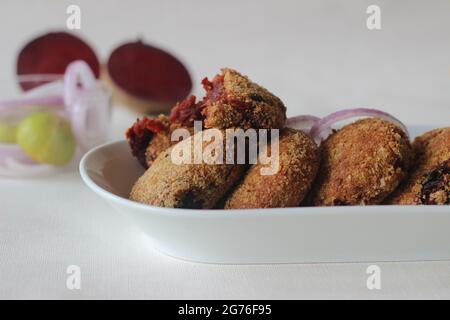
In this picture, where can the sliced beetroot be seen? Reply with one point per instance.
(52, 53)
(149, 73)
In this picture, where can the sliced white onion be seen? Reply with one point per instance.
(11, 151)
(85, 102)
(15, 163)
(78, 97)
(321, 129)
(52, 101)
(305, 123)
(49, 77)
(90, 115)
(302, 122)
(78, 76)
(54, 88)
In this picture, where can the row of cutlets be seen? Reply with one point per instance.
(367, 162)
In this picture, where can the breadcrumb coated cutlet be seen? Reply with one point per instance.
(194, 186)
(298, 164)
(148, 137)
(429, 181)
(142, 134)
(160, 142)
(233, 100)
(362, 164)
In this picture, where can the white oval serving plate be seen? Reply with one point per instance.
(285, 235)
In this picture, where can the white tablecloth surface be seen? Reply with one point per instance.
(318, 56)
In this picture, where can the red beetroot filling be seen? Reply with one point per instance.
(142, 131)
(140, 134)
(215, 92)
(186, 112)
(214, 89)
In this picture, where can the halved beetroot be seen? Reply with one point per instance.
(52, 53)
(147, 78)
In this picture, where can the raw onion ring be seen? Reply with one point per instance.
(65, 97)
(89, 121)
(79, 85)
(78, 76)
(11, 151)
(38, 77)
(302, 122)
(53, 101)
(318, 130)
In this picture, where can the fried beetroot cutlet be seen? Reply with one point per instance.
(298, 164)
(361, 164)
(429, 180)
(143, 132)
(232, 100)
(148, 137)
(186, 185)
(186, 112)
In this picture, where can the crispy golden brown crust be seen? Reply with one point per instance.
(232, 100)
(361, 164)
(141, 133)
(298, 164)
(239, 102)
(161, 141)
(196, 186)
(428, 182)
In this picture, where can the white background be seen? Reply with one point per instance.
(318, 56)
